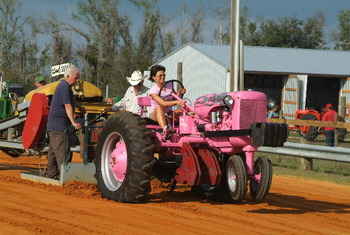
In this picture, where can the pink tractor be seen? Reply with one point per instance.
(212, 149)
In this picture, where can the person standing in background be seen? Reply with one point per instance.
(329, 115)
(39, 81)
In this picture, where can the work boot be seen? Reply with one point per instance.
(44, 173)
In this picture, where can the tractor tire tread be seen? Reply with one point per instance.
(135, 186)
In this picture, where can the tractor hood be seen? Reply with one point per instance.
(205, 104)
(82, 89)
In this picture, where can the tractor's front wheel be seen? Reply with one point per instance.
(124, 159)
(261, 180)
(236, 178)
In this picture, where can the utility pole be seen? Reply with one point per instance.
(234, 45)
(241, 65)
(179, 74)
(179, 71)
(221, 35)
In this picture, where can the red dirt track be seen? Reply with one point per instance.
(294, 206)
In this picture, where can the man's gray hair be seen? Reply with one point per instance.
(72, 69)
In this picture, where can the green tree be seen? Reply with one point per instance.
(146, 49)
(168, 43)
(286, 32)
(247, 29)
(282, 32)
(110, 52)
(189, 25)
(60, 44)
(342, 34)
(20, 56)
(196, 26)
(107, 32)
(11, 30)
(314, 31)
(167, 39)
(292, 32)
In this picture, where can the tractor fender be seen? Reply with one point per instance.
(300, 113)
(36, 119)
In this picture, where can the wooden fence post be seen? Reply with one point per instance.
(340, 118)
(305, 163)
(336, 137)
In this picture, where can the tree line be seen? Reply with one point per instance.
(106, 44)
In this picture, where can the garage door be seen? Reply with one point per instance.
(290, 97)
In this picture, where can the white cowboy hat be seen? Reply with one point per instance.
(136, 78)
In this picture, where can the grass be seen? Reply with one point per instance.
(324, 170)
(334, 178)
(331, 171)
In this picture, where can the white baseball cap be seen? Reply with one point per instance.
(136, 78)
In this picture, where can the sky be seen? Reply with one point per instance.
(257, 8)
(271, 9)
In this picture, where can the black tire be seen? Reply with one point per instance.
(235, 179)
(135, 185)
(259, 189)
(312, 133)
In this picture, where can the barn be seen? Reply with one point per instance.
(295, 78)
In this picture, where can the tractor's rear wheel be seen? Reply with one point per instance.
(310, 133)
(124, 159)
(261, 180)
(236, 178)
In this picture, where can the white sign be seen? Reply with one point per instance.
(59, 69)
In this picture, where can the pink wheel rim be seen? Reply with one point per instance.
(118, 160)
(114, 161)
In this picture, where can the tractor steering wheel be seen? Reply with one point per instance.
(186, 108)
(172, 82)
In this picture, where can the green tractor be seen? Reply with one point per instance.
(11, 123)
(6, 108)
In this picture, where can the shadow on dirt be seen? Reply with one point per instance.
(18, 167)
(185, 194)
(285, 204)
(164, 194)
(299, 205)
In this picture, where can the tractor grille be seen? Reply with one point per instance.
(249, 112)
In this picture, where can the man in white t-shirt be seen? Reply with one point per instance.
(137, 89)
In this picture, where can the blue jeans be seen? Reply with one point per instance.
(329, 137)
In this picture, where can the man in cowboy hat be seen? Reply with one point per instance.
(137, 89)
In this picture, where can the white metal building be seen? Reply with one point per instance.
(297, 77)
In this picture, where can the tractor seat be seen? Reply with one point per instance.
(144, 101)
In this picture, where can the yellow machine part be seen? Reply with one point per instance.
(94, 108)
(82, 89)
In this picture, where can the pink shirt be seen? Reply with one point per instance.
(166, 93)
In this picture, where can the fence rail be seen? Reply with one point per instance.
(338, 154)
(312, 123)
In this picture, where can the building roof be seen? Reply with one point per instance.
(283, 60)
